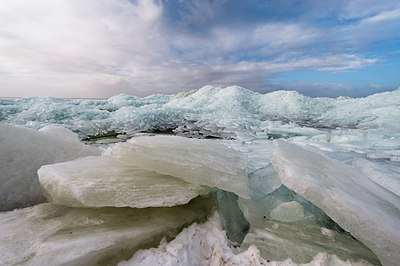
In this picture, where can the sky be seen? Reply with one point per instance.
(99, 48)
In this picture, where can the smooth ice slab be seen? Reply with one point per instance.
(198, 161)
(365, 209)
(98, 181)
(386, 174)
(288, 212)
(50, 234)
(23, 151)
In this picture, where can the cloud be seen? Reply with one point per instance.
(97, 48)
(383, 16)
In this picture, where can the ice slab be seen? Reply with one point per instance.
(98, 181)
(386, 174)
(49, 234)
(300, 240)
(365, 209)
(198, 161)
(232, 220)
(24, 151)
(288, 212)
(262, 177)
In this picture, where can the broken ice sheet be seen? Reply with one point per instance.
(302, 241)
(198, 161)
(280, 233)
(385, 173)
(24, 151)
(49, 234)
(365, 209)
(98, 181)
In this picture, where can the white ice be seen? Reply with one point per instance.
(23, 151)
(365, 209)
(98, 181)
(198, 161)
(49, 234)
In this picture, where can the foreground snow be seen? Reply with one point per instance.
(206, 244)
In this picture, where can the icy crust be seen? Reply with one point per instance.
(198, 161)
(48, 234)
(23, 152)
(206, 244)
(98, 181)
(365, 209)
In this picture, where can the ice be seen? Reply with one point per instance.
(48, 234)
(199, 244)
(98, 181)
(365, 209)
(262, 177)
(23, 152)
(302, 242)
(288, 212)
(385, 174)
(198, 161)
(301, 238)
(232, 219)
(206, 244)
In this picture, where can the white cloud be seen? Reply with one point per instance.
(97, 48)
(383, 16)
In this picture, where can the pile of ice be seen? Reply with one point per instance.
(232, 112)
(327, 192)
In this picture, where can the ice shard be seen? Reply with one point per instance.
(24, 151)
(365, 209)
(386, 174)
(198, 161)
(49, 234)
(98, 181)
(279, 234)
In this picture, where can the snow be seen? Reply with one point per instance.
(97, 181)
(365, 209)
(23, 152)
(206, 244)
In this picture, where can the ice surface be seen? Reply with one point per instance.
(365, 209)
(206, 244)
(48, 234)
(228, 112)
(99, 182)
(198, 161)
(385, 174)
(299, 240)
(262, 177)
(302, 242)
(23, 151)
(232, 220)
(288, 212)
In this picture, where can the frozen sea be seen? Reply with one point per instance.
(215, 176)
